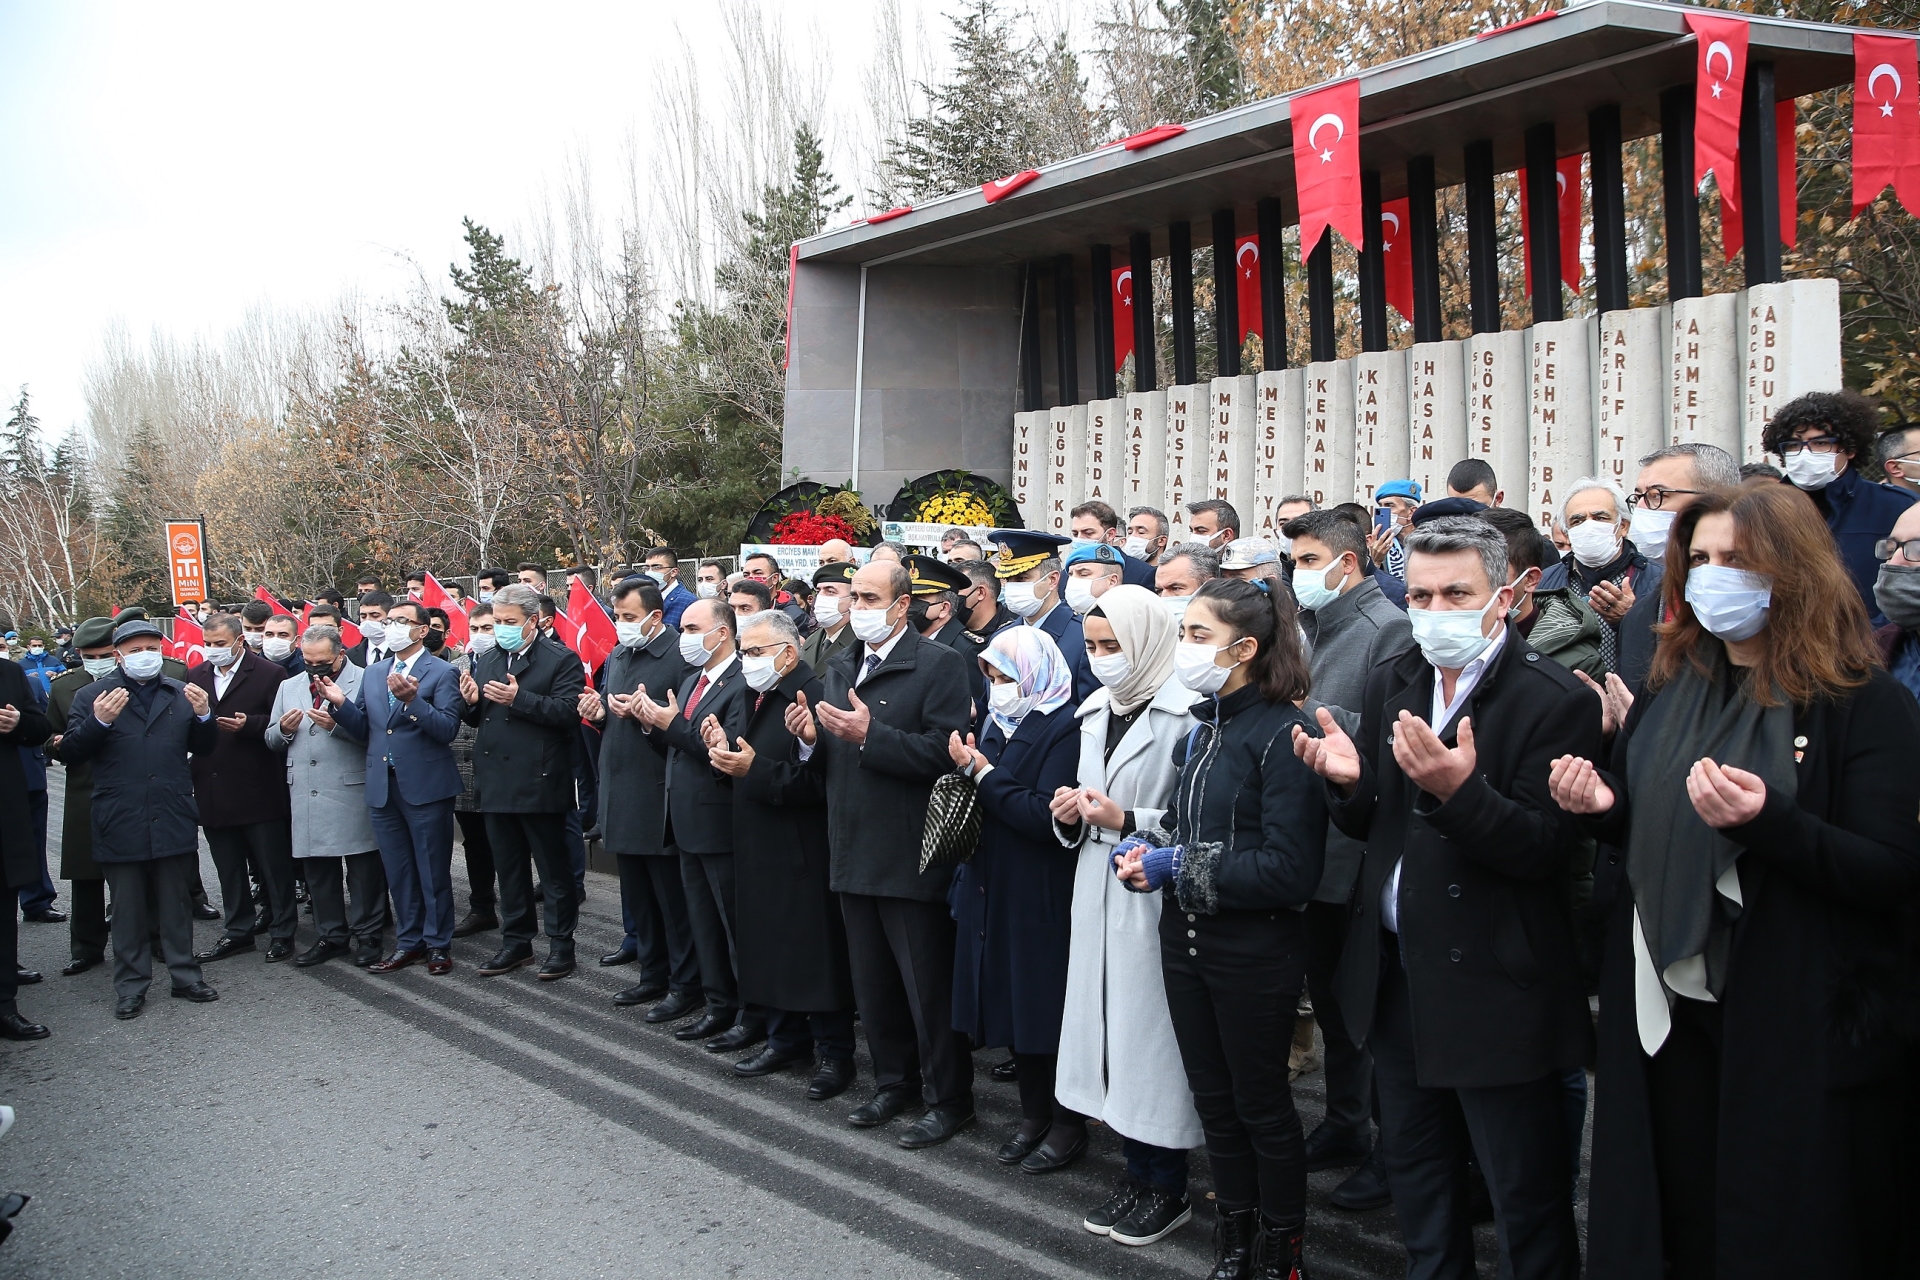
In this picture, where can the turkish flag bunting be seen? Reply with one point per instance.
(189, 640)
(1000, 188)
(349, 634)
(594, 635)
(1718, 81)
(1733, 232)
(1122, 316)
(1886, 124)
(435, 596)
(1397, 256)
(1246, 275)
(267, 598)
(1567, 182)
(1326, 164)
(786, 338)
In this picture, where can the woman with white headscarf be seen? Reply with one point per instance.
(1118, 1057)
(1010, 903)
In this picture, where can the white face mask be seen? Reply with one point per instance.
(1810, 470)
(761, 672)
(693, 649)
(827, 611)
(277, 647)
(1594, 542)
(633, 634)
(1023, 599)
(1177, 606)
(1451, 638)
(144, 665)
(221, 657)
(708, 590)
(1310, 589)
(486, 597)
(1730, 603)
(99, 668)
(375, 633)
(1650, 530)
(1135, 546)
(870, 625)
(253, 639)
(1008, 703)
(1195, 666)
(1110, 669)
(482, 641)
(1079, 595)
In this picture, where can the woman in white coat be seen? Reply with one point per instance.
(327, 780)
(1119, 1061)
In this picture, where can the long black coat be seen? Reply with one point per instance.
(242, 780)
(19, 851)
(699, 798)
(76, 823)
(143, 805)
(1012, 904)
(1485, 887)
(1820, 1013)
(523, 754)
(792, 937)
(877, 792)
(633, 776)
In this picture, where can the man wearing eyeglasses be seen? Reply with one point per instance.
(1900, 458)
(1670, 480)
(1897, 591)
(1817, 437)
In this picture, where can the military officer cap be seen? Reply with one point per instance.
(132, 613)
(1023, 549)
(931, 577)
(93, 633)
(1093, 553)
(139, 627)
(841, 571)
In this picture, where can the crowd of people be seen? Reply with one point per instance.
(1491, 811)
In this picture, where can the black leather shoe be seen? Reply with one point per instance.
(279, 949)
(643, 993)
(224, 948)
(740, 1036)
(439, 962)
(886, 1104)
(319, 953)
(201, 911)
(709, 1026)
(1366, 1188)
(1063, 1146)
(1007, 1072)
(52, 915)
(625, 955)
(15, 1027)
(935, 1127)
(130, 1007)
(559, 964)
(1331, 1148)
(366, 951)
(473, 922)
(833, 1077)
(676, 1006)
(768, 1061)
(25, 977)
(1020, 1145)
(506, 960)
(198, 992)
(261, 923)
(79, 966)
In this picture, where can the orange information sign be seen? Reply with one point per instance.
(187, 560)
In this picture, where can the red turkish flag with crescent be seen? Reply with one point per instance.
(1886, 124)
(1326, 164)
(188, 639)
(1246, 277)
(349, 634)
(1733, 232)
(1719, 79)
(1397, 255)
(1567, 182)
(594, 635)
(1122, 316)
(435, 596)
(267, 598)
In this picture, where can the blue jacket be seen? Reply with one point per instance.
(1137, 573)
(1065, 630)
(674, 601)
(419, 737)
(41, 672)
(1860, 513)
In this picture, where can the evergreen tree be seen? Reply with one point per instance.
(493, 286)
(23, 459)
(1213, 64)
(133, 529)
(982, 123)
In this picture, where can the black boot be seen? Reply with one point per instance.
(1279, 1252)
(1234, 1231)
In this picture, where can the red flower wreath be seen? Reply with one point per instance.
(810, 529)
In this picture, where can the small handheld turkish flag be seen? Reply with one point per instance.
(1122, 316)
(1886, 124)
(1326, 164)
(1397, 256)
(1246, 277)
(267, 598)
(435, 596)
(1719, 80)
(594, 635)
(189, 640)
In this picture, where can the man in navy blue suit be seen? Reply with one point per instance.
(407, 712)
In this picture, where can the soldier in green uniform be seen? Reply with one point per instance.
(832, 590)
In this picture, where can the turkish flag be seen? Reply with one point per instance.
(1397, 256)
(1886, 124)
(267, 597)
(1122, 316)
(594, 635)
(349, 634)
(1733, 232)
(1246, 275)
(786, 333)
(435, 596)
(1000, 188)
(1567, 183)
(1718, 82)
(1326, 164)
(189, 641)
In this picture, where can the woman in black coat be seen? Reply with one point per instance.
(1012, 902)
(1754, 1100)
(1242, 850)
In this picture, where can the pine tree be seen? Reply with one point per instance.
(981, 125)
(492, 285)
(134, 525)
(23, 459)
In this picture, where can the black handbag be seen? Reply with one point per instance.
(952, 833)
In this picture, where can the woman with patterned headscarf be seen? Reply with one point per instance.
(1011, 902)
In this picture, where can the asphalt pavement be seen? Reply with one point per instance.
(333, 1122)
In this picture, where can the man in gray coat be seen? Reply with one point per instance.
(327, 783)
(1350, 627)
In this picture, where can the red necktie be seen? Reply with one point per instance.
(699, 688)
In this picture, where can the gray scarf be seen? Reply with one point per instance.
(1674, 859)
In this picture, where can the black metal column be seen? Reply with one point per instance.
(1609, 210)
(1483, 239)
(1273, 283)
(1146, 375)
(1543, 222)
(1423, 246)
(1066, 340)
(1032, 394)
(1101, 263)
(1186, 370)
(1373, 268)
(1320, 299)
(1682, 196)
(1759, 177)
(1226, 293)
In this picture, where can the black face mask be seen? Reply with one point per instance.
(436, 640)
(917, 614)
(320, 671)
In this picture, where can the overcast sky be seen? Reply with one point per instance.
(171, 165)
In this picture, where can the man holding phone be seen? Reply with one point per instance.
(1394, 504)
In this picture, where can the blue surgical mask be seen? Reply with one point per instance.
(486, 597)
(1730, 603)
(509, 635)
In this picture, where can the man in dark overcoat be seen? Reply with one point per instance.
(87, 926)
(22, 725)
